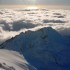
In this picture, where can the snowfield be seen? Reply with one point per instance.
(11, 60)
(34, 39)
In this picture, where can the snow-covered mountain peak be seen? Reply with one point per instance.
(41, 37)
(41, 48)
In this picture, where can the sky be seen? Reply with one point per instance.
(33, 2)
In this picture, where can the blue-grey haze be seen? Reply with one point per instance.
(31, 2)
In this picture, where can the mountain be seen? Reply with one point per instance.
(45, 49)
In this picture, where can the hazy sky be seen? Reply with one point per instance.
(30, 2)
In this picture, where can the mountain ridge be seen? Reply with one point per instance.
(45, 49)
(44, 30)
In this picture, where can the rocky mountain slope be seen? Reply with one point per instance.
(45, 49)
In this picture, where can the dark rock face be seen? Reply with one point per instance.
(45, 49)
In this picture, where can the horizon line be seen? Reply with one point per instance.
(39, 6)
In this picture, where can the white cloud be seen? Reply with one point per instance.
(14, 22)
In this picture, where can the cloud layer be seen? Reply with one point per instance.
(13, 22)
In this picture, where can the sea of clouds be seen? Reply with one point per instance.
(15, 21)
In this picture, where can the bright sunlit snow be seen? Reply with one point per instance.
(11, 60)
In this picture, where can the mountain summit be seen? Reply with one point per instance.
(45, 48)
